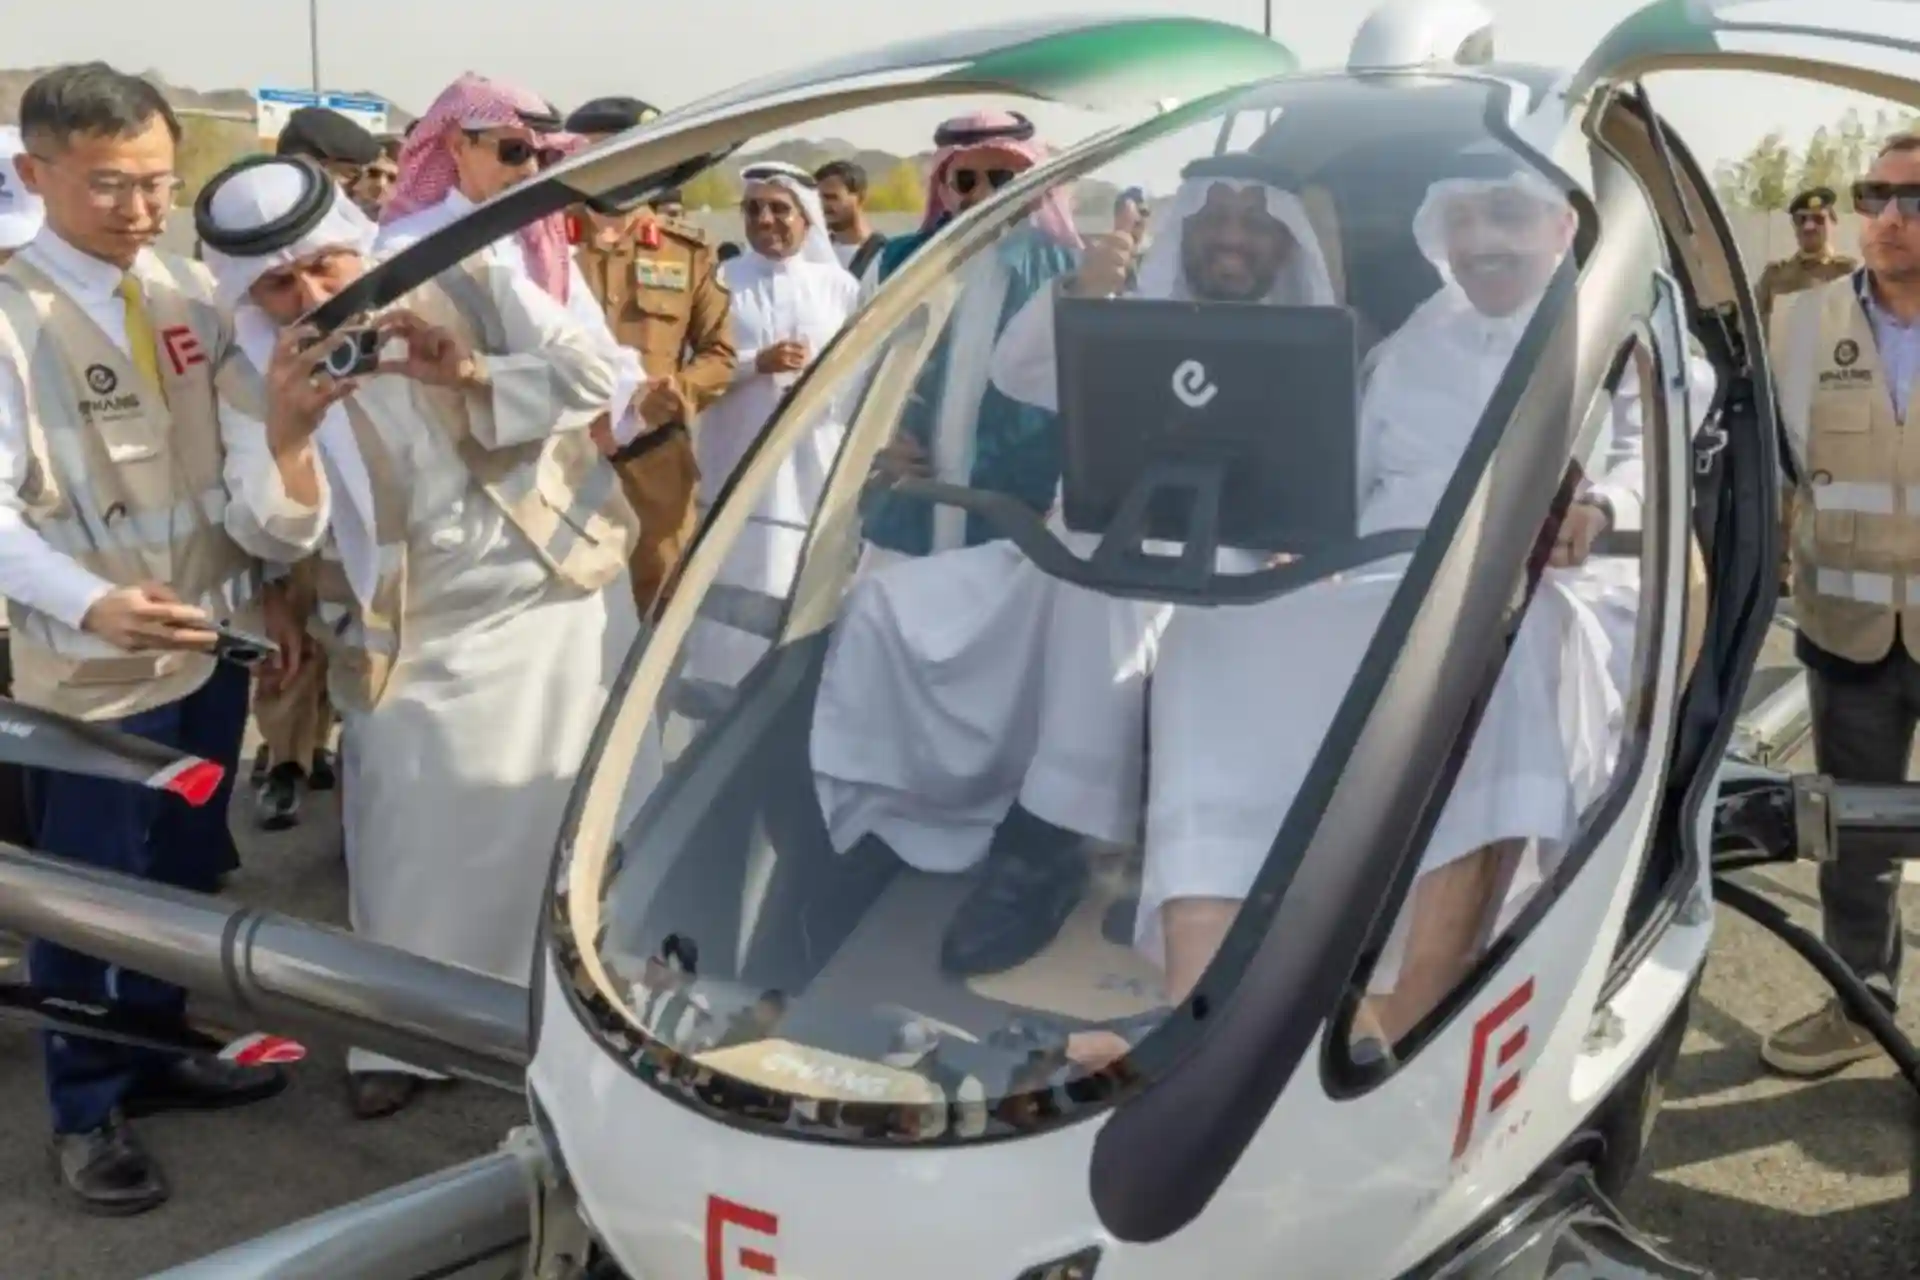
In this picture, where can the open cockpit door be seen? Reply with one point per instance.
(1866, 46)
(1096, 63)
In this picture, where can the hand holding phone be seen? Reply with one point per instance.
(241, 648)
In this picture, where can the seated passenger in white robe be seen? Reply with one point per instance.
(789, 298)
(473, 595)
(1249, 724)
(970, 703)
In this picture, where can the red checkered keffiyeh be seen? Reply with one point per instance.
(427, 172)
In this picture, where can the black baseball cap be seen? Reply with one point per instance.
(321, 133)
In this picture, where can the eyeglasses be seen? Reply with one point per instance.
(109, 189)
(779, 209)
(1872, 198)
(514, 152)
(966, 180)
(1505, 209)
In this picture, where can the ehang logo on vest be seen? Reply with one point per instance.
(104, 403)
(1846, 354)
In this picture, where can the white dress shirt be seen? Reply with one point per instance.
(32, 573)
(581, 304)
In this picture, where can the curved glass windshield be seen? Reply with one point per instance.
(1004, 653)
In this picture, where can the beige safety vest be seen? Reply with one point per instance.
(124, 478)
(1860, 483)
(559, 491)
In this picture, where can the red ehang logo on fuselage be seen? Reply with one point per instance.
(1493, 1071)
(743, 1260)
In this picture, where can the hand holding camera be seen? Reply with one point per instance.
(299, 392)
(434, 356)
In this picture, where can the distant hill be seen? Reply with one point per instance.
(238, 101)
(899, 181)
(1089, 196)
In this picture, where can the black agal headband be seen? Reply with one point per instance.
(958, 135)
(317, 194)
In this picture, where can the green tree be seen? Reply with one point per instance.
(713, 189)
(902, 189)
(1762, 178)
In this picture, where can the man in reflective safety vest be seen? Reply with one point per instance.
(1847, 355)
(115, 564)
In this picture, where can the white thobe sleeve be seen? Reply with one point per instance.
(554, 376)
(629, 375)
(1024, 366)
(32, 572)
(261, 517)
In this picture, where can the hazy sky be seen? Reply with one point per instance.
(669, 53)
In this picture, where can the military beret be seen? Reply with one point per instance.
(610, 115)
(324, 134)
(1814, 200)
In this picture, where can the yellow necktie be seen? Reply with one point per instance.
(140, 345)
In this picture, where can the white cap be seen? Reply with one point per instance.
(21, 212)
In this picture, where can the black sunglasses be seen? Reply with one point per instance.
(515, 152)
(1872, 198)
(783, 209)
(965, 180)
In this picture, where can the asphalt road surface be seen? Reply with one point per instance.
(1760, 1178)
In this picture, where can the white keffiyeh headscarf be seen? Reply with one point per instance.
(798, 183)
(254, 197)
(1025, 367)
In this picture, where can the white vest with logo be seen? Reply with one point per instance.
(124, 478)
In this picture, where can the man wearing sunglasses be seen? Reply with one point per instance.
(1814, 262)
(1846, 355)
(658, 281)
(480, 138)
(960, 427)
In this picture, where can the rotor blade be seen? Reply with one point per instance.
(107, 1020)
(42, 740)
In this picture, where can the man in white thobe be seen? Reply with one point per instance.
(789, 298)
(479, 138)
(974, 710)
(1545, 746)
(472, 636)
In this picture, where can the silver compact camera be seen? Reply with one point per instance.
(351, 352)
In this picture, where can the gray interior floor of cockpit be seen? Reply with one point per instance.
(893, 959)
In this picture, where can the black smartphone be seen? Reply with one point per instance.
(242, 648)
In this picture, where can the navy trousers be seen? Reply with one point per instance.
(138, 832)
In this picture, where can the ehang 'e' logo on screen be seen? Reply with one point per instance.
(101, 380)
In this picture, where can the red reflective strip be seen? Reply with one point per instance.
(196, 783)
(259, 1050)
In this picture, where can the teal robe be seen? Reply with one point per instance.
(1016, 447)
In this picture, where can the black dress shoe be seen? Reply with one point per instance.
(377, 1094)
(203, 1084)
(107, 1171)
(278, 804)
(322, 776)
(1034, 877)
